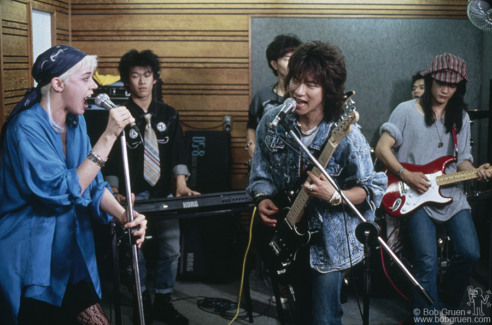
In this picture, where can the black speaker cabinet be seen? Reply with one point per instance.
(208, 160)
(211, 249)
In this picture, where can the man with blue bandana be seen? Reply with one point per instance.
(50, 187)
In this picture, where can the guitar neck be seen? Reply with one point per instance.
(296, 210)
(447, 179)
(342, 128)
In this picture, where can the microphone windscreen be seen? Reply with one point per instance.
(101, 99)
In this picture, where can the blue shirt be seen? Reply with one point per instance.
(46, 237)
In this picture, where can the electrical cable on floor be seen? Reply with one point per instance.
(244, 264)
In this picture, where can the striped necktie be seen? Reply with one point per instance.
(152, 167)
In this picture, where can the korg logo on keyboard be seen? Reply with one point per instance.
(190, 204)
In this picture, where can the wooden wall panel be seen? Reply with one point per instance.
(15, 56)
(204, 47)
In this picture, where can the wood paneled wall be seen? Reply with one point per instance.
(16, 45)
(204, 47)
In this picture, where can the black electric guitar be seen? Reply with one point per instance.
(278, 246)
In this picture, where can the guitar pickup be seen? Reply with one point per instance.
(403, 188)
(275, 247)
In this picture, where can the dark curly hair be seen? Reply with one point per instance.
(133, 58)
(325, 64)
(280, 46)
(454, 109)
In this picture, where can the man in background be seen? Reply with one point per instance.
(157, 170)
(278, 54)
(418, 85)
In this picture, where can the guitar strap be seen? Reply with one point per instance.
(455, 140)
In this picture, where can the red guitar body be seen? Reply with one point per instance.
(400, 199)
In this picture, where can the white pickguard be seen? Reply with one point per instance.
(414, 199)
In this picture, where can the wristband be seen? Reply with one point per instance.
(95, 158)
(399, 171)
(336, 199)
(260, 197)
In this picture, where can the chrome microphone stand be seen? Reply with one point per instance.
(367, 233)
(129, 217)
(103, 100)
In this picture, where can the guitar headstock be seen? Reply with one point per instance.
(344, 125)
(348, 104)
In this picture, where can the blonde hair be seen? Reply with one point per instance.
(89, 61)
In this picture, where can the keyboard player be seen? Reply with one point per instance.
(157, 161)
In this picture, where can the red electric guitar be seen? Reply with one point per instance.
(400, 199)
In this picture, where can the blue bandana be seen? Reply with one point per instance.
(52, 63)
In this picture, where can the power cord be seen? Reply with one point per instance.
(244, 264)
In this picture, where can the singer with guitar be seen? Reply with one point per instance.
(50, 189)
(316, 80)
(418, 132)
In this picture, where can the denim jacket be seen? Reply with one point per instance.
(276, 166)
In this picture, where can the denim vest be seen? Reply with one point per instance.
(276, 166)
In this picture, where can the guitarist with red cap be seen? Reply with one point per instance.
(418, 132)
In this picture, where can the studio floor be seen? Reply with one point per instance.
(203, 302)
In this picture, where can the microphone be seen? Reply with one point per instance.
(103, 100)
(287, 107)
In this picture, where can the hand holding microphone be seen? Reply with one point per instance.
(103, 100)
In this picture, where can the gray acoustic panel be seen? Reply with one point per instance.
(381, 56)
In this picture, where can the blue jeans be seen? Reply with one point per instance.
(166, 232)
(317, 295)
(466, 252)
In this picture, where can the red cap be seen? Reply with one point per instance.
(447, 68)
